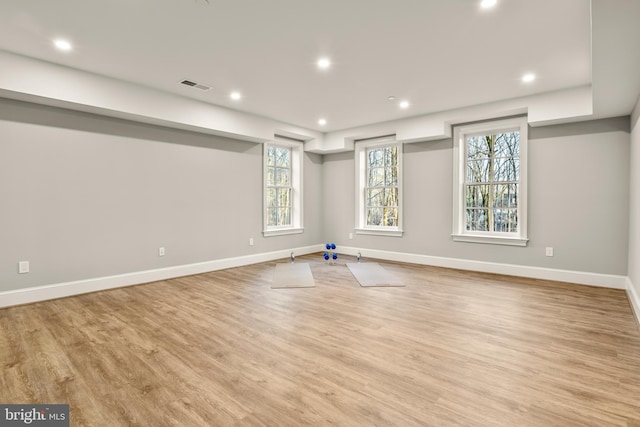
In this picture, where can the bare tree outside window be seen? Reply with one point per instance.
(381, 190)
(492, 182)
(279, 187)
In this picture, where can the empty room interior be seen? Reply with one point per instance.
(354, 213)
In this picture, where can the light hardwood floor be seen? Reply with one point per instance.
(223, 349)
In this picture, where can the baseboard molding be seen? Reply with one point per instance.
(60, 290)
(634, 297)
(579, 277)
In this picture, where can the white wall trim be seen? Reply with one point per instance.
(296, 150)
(634, 298)
(60, 290)
(282, 231)
(380, 231)
(361, 164)
(490, 240)
(570, 276)
(459, 191)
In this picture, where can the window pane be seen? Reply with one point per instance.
(505, 196)
(391, 197)
(390, 217)
(376, 158)
(507, 144)
(505, 220)
(478, 170)
(391, 176)
(507, 169)
(271, 197)
(375, 197)
(500, 220)
(282, 157)
(271, 156)
(280, 195)
(477, 196)
(376, 177)
(374, 216)
(282, 176)
(284, 216)
(477, 219)
(272, 216)
(283, 197)
(391, 156)
(271, 176)
(478, 147)
(513, 220)
(382, 180)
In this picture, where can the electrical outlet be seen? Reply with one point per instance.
(250, 241)
(23, 267)
(549, 251)
(161, 251)
(350, 236)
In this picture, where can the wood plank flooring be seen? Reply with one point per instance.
(451, 348)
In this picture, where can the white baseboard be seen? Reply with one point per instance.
(59, 290)
(634, 297)
(580, 277)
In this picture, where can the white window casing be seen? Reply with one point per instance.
(294, 186)
(388, 209)
(506, 221)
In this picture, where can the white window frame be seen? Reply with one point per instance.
(460, 234)
(297, 160)
(361, 148)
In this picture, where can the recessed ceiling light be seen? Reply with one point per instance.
(404, 104)
(322, 122)
(486, 4)
(527, 78)
(235, 95)
(391, 98)
(324, 63)
(62, 45)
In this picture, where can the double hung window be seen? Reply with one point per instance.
(282, 188)
(490, 182)
(379, 187)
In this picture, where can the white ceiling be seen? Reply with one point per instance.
(438, 54)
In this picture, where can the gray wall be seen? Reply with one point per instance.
(85, 196)
(578, 201)
(634, 211)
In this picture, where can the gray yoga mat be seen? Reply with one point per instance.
(292, 275)
(371, 274)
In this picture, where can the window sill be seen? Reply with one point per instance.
(379, 232)
(493, 240)
(282, 231)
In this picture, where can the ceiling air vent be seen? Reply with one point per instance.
(195, 84)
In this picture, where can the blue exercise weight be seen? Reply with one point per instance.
(331, 253)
